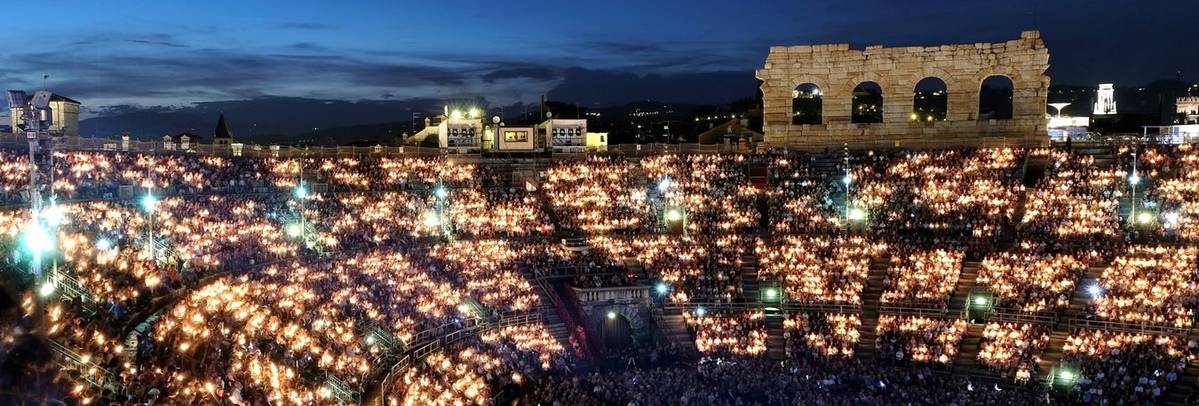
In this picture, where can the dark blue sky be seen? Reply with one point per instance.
(175, 53)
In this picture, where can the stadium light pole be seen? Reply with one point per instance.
(1133, 180)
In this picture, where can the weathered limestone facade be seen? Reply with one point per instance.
(837, 70)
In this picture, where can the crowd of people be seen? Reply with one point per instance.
(1013, 349)
(919, 339)
(818, 269)
(1119, 367)
(1155, 285)
(249, 281)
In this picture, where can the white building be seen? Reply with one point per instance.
(460, 135)
(517, 139)
(1105, 103)
(1187, 109)
(64, 113)
(565, 135)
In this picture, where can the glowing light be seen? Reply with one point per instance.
(456, 114)
(1134, 180)
(662, 288)
(674, 215)
(103, 244)
(301, 192)
(55, 216)
(149, 202)
(915, 117)
(664, 185)
(432, 219)
(847, 179)
(1171, 218)
(611, 315)
(979, 300)
(1095, 291)
(46, 289)
(36, 239)
(699, 311)
(771, 293)
(294, 230)
(1067, 375)
(1144, 217)
(441, 192)
(472, 113)
(857, 214)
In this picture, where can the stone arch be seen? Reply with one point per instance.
(930, 100)
(996, 94)
(867, 103)
(807, 104)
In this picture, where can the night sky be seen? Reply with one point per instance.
(147, 53)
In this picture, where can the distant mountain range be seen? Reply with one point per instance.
(293, 119)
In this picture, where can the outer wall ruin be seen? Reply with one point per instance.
(837, 70)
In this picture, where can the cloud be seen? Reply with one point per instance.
(534, 73)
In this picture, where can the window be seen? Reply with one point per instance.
(516, 136)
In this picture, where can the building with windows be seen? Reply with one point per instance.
(1187, 108)
(820, 96)
(516, 139)
(64, 113)
(564, 135)
(460, 135)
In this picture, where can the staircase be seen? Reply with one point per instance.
(966, 361)
(776, 344)
(1053, 352)
(674, 327)
(966, 284)
(865, 350)
(553, 322)
(750, 284)
(1104, 157)
(1184, 390)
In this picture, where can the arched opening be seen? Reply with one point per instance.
(930, 100)
(995, 98)
(616, 332)
(806, 104)
(867, 103)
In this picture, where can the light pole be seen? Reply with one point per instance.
(1133, 180)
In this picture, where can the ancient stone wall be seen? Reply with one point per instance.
(837, 70)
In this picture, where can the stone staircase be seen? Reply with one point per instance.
(776, 344)
(553, 322)
(865, 350)
(966, 362)
(1104, 156)
(674, 327)
(966, 284)
(1053, 352)
(750, 284)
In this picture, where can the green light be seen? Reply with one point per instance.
(674, 215)
(1144, 217)
(149, 202)
(294, 230)
(771, 293)
(611, 315)
(301, 192)
(36, 239)
(979, 300)
(857, 214)
(1067, 375)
